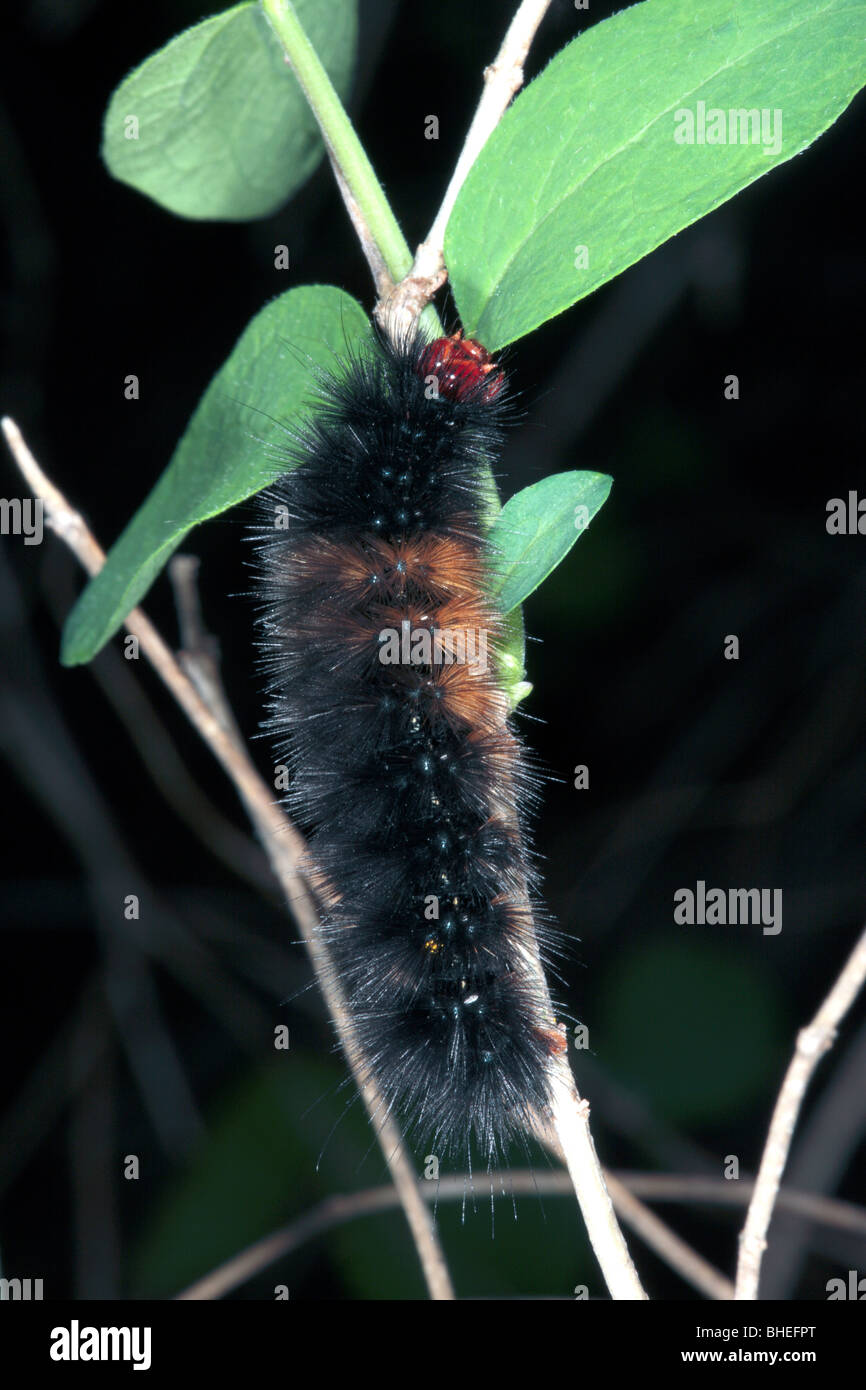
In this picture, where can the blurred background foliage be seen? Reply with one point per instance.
(155, 1037)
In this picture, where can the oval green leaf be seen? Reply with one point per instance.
(214, 125)
(591, 168)
(226, 453)
(536, 529)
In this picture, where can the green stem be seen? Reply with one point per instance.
(340, 137)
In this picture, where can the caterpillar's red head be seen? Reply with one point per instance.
(463, 368)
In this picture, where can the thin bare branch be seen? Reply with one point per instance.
(812, 1042)
(682, 1187)
(382, 278)
(667, 1244)
(199, 652)
(571, 1137)
(398, 310)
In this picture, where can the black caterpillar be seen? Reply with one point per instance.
(404, 771)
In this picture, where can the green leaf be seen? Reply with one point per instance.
(226, 454)
(536, 529)
(222, 129)
(587, 157)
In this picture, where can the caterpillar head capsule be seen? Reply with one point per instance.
(463, 368)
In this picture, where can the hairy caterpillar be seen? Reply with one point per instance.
(379, 647)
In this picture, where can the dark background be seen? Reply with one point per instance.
(155, 1038)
